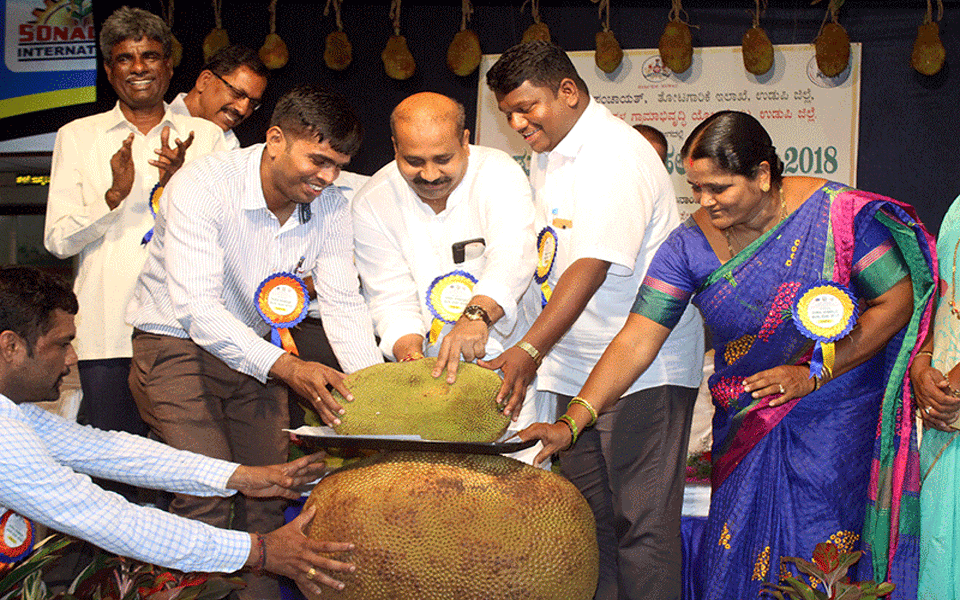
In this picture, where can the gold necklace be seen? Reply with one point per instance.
(783, 215)
(953, 290)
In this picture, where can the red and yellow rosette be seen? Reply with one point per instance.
(282, 302)
(546, 256)
(825, 312)
(16, 537)
(447, 296)
(154, 205)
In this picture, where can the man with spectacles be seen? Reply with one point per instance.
(227, 91)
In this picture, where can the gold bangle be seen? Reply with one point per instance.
(529, 349)
(927, 352)
(586, 405)
(415, 355)
(816, 383)
(568, 420)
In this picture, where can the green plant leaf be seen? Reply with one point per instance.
(809, 568)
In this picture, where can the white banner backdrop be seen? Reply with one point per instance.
(813, 120)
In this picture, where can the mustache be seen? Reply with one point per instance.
(421, 181)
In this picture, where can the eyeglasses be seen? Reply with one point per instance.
(237, 93)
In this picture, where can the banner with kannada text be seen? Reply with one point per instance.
(813, 120)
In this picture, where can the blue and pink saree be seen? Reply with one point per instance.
(839, 464)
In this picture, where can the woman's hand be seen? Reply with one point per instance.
(936, 404)
(555, 437)
(787, 381)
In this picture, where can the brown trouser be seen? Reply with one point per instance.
(193, 401)
(631, 468)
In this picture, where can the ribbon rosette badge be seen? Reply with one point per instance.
(16, 537)
(447, 296)
(825, 312)
(154, 204)
(282, 302)
(546, 255)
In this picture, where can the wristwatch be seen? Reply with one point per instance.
(475, 312)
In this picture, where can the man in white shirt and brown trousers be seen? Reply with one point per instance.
(236, 234)
(104, 169)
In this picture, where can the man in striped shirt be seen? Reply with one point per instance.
(203, 376)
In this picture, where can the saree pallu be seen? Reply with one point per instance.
(786, 478)
(940, 450)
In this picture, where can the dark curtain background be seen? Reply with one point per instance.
(909, 131)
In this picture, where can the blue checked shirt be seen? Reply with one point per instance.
(45, 468)
(215, 242)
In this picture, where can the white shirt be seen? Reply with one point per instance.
(44, 476)
(180, 107)
(348, 183)
(402, 246)
(609, 187)
(108, 241)
(216, 242)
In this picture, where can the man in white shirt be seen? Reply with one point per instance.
(445, 243)
(228, 90)
(236, 233)
(606, 203)
(104, 168)
(46, 459)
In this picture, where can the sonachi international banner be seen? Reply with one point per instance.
(50, 55)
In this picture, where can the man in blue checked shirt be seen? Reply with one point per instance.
(45, 462)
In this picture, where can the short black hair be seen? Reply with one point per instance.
(311, 111)
(228, 59)
(649, 131)
(133, 24)
(28, 297)
(737, 142)
(543, 64)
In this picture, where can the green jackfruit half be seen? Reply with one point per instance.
(437, 526)
(405, 399)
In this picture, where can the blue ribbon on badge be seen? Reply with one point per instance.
(546, 257)
(154, 204)
(825, 312)
(447, 296)
(281, 300)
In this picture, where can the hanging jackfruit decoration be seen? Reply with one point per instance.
(832, 44)
(397, 60)
(676, 42)
(176, 49)
(463, 55)
(217, 38)
(274, 53)
(757, 49)
(609, 54)
(337, 52)
(539, 29)
(928, 51)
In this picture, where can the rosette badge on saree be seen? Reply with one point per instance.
(546, 256)
(825, 312)
(282, 302)
(447, 296)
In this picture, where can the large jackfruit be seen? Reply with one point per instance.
(405, 399)
(435, 526)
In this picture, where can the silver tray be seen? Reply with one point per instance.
(324, 437)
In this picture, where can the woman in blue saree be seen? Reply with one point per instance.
(798, 459)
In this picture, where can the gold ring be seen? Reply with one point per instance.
(781, 388)
(312, 573)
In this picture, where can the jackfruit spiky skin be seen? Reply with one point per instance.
(405, 399)
(437, 526)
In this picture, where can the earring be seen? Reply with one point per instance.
(764, 187)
